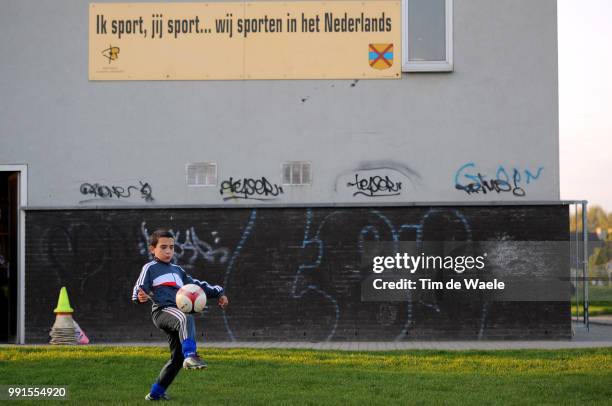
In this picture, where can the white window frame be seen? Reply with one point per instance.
(290, 164)
(428, 66)
(201, 163)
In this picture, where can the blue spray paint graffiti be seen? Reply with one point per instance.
(419, 231)
(371, 230)
(248, 229)
(378, 227)
(298, 293)
(470, 180)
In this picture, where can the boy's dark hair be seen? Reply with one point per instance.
(161, 233)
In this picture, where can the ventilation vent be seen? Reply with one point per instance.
(202, 174)
(297, 173)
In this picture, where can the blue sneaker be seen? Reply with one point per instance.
(162, 397)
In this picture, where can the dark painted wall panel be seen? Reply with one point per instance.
(290, 273)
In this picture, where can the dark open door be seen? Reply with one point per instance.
(8, 255)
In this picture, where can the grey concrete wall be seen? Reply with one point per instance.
(497, 109)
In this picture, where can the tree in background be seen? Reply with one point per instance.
(598, 221)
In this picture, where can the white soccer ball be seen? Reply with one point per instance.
(191, 299)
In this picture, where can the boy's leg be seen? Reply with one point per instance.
(174, 364)
(172, 319)
(168, 325)
(175, 325)
(192, 359)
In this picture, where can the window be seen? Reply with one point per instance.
(201, 174)
(297, 173)
(427, 35)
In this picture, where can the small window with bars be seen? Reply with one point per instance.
(202, 174)
(297, 173)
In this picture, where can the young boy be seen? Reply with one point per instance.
(159, 281)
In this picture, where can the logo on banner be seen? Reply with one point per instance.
(381, 56)
(111, 53)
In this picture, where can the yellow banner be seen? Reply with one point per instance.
(257, 40)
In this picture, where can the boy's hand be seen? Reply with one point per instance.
(222, 302)
(142, 296)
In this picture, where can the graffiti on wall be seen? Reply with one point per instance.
(377, 179)
(375, 186)
(249, 188)
(469, 179)
(312, 277)
(69, 256)
(188, 246)
(378, 228)
(97, 191)
(290, 273)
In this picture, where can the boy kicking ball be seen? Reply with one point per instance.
(164, 279)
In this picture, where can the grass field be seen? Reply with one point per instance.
(597, 309)
(600, 301)
(122, 375)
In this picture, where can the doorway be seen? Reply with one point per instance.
(9, 243)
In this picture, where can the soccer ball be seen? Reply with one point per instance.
(191, 299)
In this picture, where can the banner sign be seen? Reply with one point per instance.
(241, 41)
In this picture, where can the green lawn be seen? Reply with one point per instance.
(122, 375)
(600, 310)
(600, 301)
(595, 310)
(601, 294)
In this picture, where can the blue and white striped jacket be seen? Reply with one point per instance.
(161, 281)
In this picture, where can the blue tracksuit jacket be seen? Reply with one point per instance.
(164, 280)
